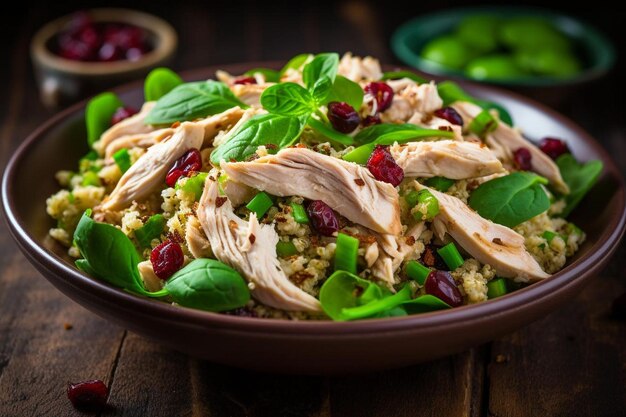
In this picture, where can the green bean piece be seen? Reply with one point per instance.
(346, 253)
(497, 287)
(451, 256)
(260, 204)
(299, 213)
(417, 272)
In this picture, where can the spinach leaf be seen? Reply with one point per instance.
(193, 100)
(322, 65)
(264, 129)
(396, 75)
(159, 82)
(295, 63)
(378, 306)
(98, 114)
(330, 133)
(271, 76)
(374, 132)
(424, 304)
(108, 253)
(344, 290)
(512, 199)
(207, 284)
(347, 91)
(450, 92)
(287, 99)
(578, 177)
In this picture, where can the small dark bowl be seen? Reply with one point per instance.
(307, 347)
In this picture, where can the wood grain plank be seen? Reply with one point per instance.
(569, 364)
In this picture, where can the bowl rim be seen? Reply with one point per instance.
(164, 32)
(408, 56)
(570, 276)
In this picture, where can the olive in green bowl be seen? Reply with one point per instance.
(514, 46)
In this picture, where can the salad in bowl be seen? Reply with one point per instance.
(326, 190)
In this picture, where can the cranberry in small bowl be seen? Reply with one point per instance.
(88, 51)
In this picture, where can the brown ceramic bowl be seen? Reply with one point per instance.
(307, 347)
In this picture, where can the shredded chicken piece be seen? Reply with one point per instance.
(131, 126)
(357, 68)
(197, 242)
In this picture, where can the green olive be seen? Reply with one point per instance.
(448, 51)
(493, 67)
(480, 32)
(548, 62)
(532, 33)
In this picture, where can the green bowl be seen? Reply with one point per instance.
(597, 51)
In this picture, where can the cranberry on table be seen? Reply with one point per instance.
(382, 93)
(187, 164)
(88, 395)
(442, 285)
(166, 259)
(383, 167)
(342, 116)
(122, 113)
(451, 115)
(553, 147)
(322, 218)
(523, 158)
(371, 120)
(244, 80)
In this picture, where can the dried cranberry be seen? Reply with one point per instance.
(343, 117)
(133, 54)
(166, 259)
(245, 80)
(383, 167)
(371, 120)
(553, 147)
(382, 93)
(322, 217)
(523, 158)
(110, 52)
(187, 164)
(88, 395)
(122, 113)
(451, 115)
(124, 36)
(442, 285)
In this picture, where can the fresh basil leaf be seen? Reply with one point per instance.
(207, 284)
(322, 65)
(321, 89)
(578, 177)
(396, 75)
(512, 199)
(372, 133)
(271, 76)
(347, 91)
(84, 266)
(287, 99)
(450, 92)
(159, 82)
(193, 100)
(265, 129)
(98, 114)
(330, 133)
(108, 253)
(296, 63)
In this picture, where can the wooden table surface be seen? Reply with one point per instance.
(570, 363)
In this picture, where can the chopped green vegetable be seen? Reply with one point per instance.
(377, 306)
(194, 185)
(497, 287)
(98, 114)
(344, 290)
(299, 213)
(91, 178)
(260, 204)
(483, 123)
(548, 235)
(346, 253)
(285, 249)
(440, 183)
(152, 229)
(430, 202)
(417, 272)
(122, 159)
(451, 256)
(512, 199)
(159, 82)
(578, 177)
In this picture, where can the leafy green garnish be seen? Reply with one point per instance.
(322, 65)
(159, 82)
(194, 185)
(207, 284)
(98, 114)
(396, 75)
(578, 177)
(193, 100)
(330, 133)
(288, 99)
(512, 199)
(295, 63)
(347, 91)
(109, 254)
(271, 76)
(265, 129)
(152, 229)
